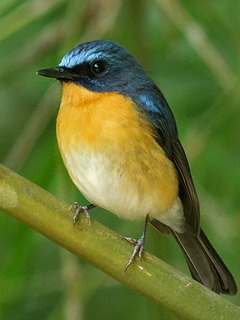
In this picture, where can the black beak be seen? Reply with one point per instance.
(58, 73)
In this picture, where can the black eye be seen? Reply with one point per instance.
(99, 66)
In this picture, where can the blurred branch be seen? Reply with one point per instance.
(107, 250)
(199, 40)
(102, 15)
(32, 130)
(214, 116)
(73, 306)
(24, 14)
(48, 38)
(5, 5)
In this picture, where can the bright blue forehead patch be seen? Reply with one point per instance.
(76, 57)
(90, 51)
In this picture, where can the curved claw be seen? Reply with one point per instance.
(81, 209)
(131, 240)
(138, 249)
(139, 244)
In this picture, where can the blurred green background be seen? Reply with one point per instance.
(191, 49)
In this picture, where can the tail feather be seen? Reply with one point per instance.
(203, 261)
(205, 264)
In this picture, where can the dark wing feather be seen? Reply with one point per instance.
(159, 113)
(187, 192)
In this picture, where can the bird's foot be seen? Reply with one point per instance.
(138, 249)
(81, 209)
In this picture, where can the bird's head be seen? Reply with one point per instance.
(102, 66)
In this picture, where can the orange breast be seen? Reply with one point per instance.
(97, 120)
(110, 124)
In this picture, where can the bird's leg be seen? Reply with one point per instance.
(139, 245)
(78, 209)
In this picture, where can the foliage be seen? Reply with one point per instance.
(191, 49)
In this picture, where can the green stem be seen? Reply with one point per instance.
(107, 250)
(24, 14)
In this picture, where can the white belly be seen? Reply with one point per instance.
(104, 183)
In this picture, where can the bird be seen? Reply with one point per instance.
(119, 142)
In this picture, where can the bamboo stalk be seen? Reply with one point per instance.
(109, 252)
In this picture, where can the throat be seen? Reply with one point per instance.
(77, 95)
(97, 120)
